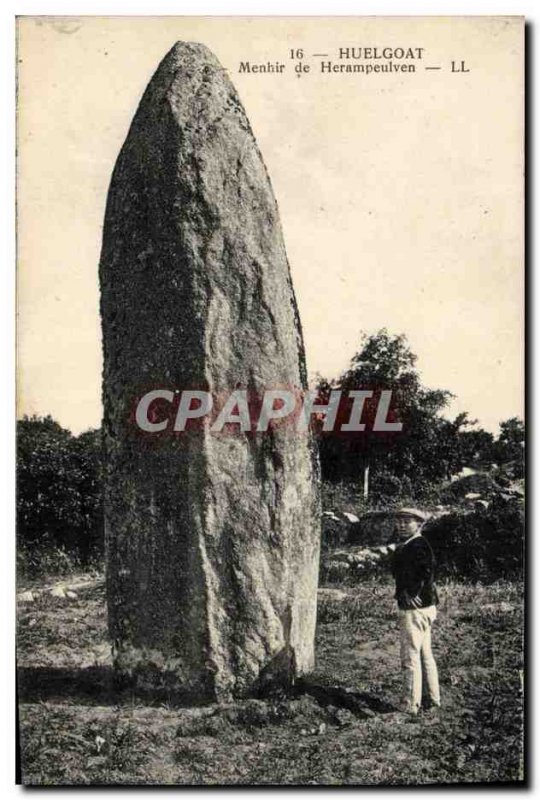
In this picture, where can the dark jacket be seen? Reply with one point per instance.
(413, 568)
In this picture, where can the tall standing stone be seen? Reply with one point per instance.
(212, 541)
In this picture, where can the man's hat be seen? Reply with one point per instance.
(411, 512)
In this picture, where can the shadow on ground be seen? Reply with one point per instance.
(99, 686)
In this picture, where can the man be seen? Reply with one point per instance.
(413, 568)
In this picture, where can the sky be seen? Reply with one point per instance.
(400, 195)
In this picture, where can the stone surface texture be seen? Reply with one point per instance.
(212, 541)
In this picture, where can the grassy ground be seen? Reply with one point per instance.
(75, 731)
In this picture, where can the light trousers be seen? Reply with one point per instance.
(417, 660)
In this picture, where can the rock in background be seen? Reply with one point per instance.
(212, 541)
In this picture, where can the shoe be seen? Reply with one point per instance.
(432, 714)
(403, 717)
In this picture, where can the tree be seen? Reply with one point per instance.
(58, 487)
(509, 449)
(477, 448)
(428, 448)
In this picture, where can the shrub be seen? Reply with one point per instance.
(479, 545)
(59, 507)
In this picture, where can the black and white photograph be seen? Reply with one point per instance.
(270, 436)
